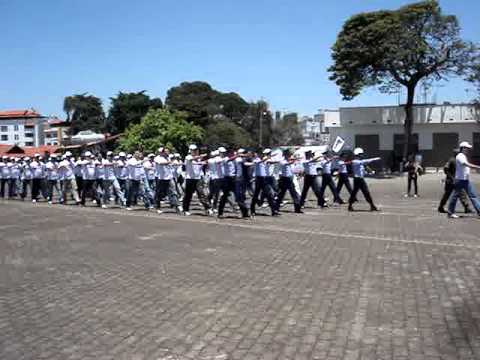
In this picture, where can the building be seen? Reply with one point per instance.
(56, 132)
(21, 151)
(437, 130)
(21, 127)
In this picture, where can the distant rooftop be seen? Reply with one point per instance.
(19, 114)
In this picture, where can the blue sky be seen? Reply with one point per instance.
(275, 49)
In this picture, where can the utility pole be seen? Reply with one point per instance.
(260, 128)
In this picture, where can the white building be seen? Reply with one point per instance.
(437, 131)
(21, 127)
(56, 132)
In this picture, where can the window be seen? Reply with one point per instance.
(29, 143)
(16, 137)
(4, 137)
(28, 134)
(15, 128)
(3, 128)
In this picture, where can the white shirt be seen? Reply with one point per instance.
(136, 170)
(109, 169)
(213, 168)
(163, 168)
(65, 170)
(88, 170)
(239, 167)
(286, 169)
(310, 167)
(462, 171)
(193, 169)
(358, 166)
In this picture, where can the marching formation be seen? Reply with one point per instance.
(162, 179)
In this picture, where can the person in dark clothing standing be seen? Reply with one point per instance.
(449, 170)
(414, 170)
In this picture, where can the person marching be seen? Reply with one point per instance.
(359, 183)
(27, 176)
(214, 168)
(136, 180)
(286, 182)
(263, 183)
(230, 185)
(121, 173)
(462, 180)
(15, 174)
(38, 175)
(343, 180)
(110, 181)
(193, 173)
(164, 181)
(89, 179)
(327, 180)
(67, 178)
(449, 170)
(310, 177)
(53, 176)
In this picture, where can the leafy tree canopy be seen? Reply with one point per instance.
(161, 127)
(396, 48)
(84, 112)
(287, 131)
(129, 108)
(224, 132)
(202, 103)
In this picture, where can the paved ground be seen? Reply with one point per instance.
(83, 283)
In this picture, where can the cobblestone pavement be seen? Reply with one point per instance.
(86, 283)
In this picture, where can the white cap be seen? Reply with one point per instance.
(64, 156)
(129, 156)
(176, 155)
(465, 144)
(116, 157)
(53, 155)
(267, 151)
(92, 156)
(68, 153)
(36, 155)
(151, 155)
(222, 149)
(241, 151)
(214, 153)
(358, 151)
(122, 154)
(87, 153)
(27, 159)
(4, 157)
(192, 147)
(161, 149)
(109, 153)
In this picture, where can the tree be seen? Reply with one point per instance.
(192, 98)
(224, 132)
(129, 108)
(84, 112)
(202, 103)
(161, 127)
(399, 48)
(258, 123)
(287, 131)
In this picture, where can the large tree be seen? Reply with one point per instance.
(402, 47)
(161, 127)
(202, 103)
(224, 132)
(84, 112)
(129, 108)
(287, 131)
(258, 122)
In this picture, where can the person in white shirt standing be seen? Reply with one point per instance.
(136, 179)
(27, 176)
(462, 180)
(164, 173)
(38, 176)
(214, 166)
(53, 176)
(193, 173)
(111, 181)
(89, 178)
(67, 177)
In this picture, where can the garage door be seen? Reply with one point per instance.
(443, 145)
(476, 148)
(398, 144)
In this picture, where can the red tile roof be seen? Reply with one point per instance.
(18, 114)
(15, 150)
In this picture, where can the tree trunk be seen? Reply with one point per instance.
(408, 125)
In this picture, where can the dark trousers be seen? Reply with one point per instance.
(310, 181)
(286, 184)
(26, 183)
(214, 188)
(191, 186)
(327, 180)
(53, 184)
(163, 188)
(228, 187)
(359, 184)
(413, 178)
(449, 187)
(264, 185)
(124, 187)
(343, 180)
(90, 187)
(79, 181)
(3, 183)
(36, 188)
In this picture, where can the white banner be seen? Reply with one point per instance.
(338, 144)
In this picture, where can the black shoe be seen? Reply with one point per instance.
(441, 210)
(350, 208)
(374, 208)
(275, 213)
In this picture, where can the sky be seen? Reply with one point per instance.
(278, 50)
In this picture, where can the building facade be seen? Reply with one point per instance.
(437, 130)
(22, 127)
(56, 132)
